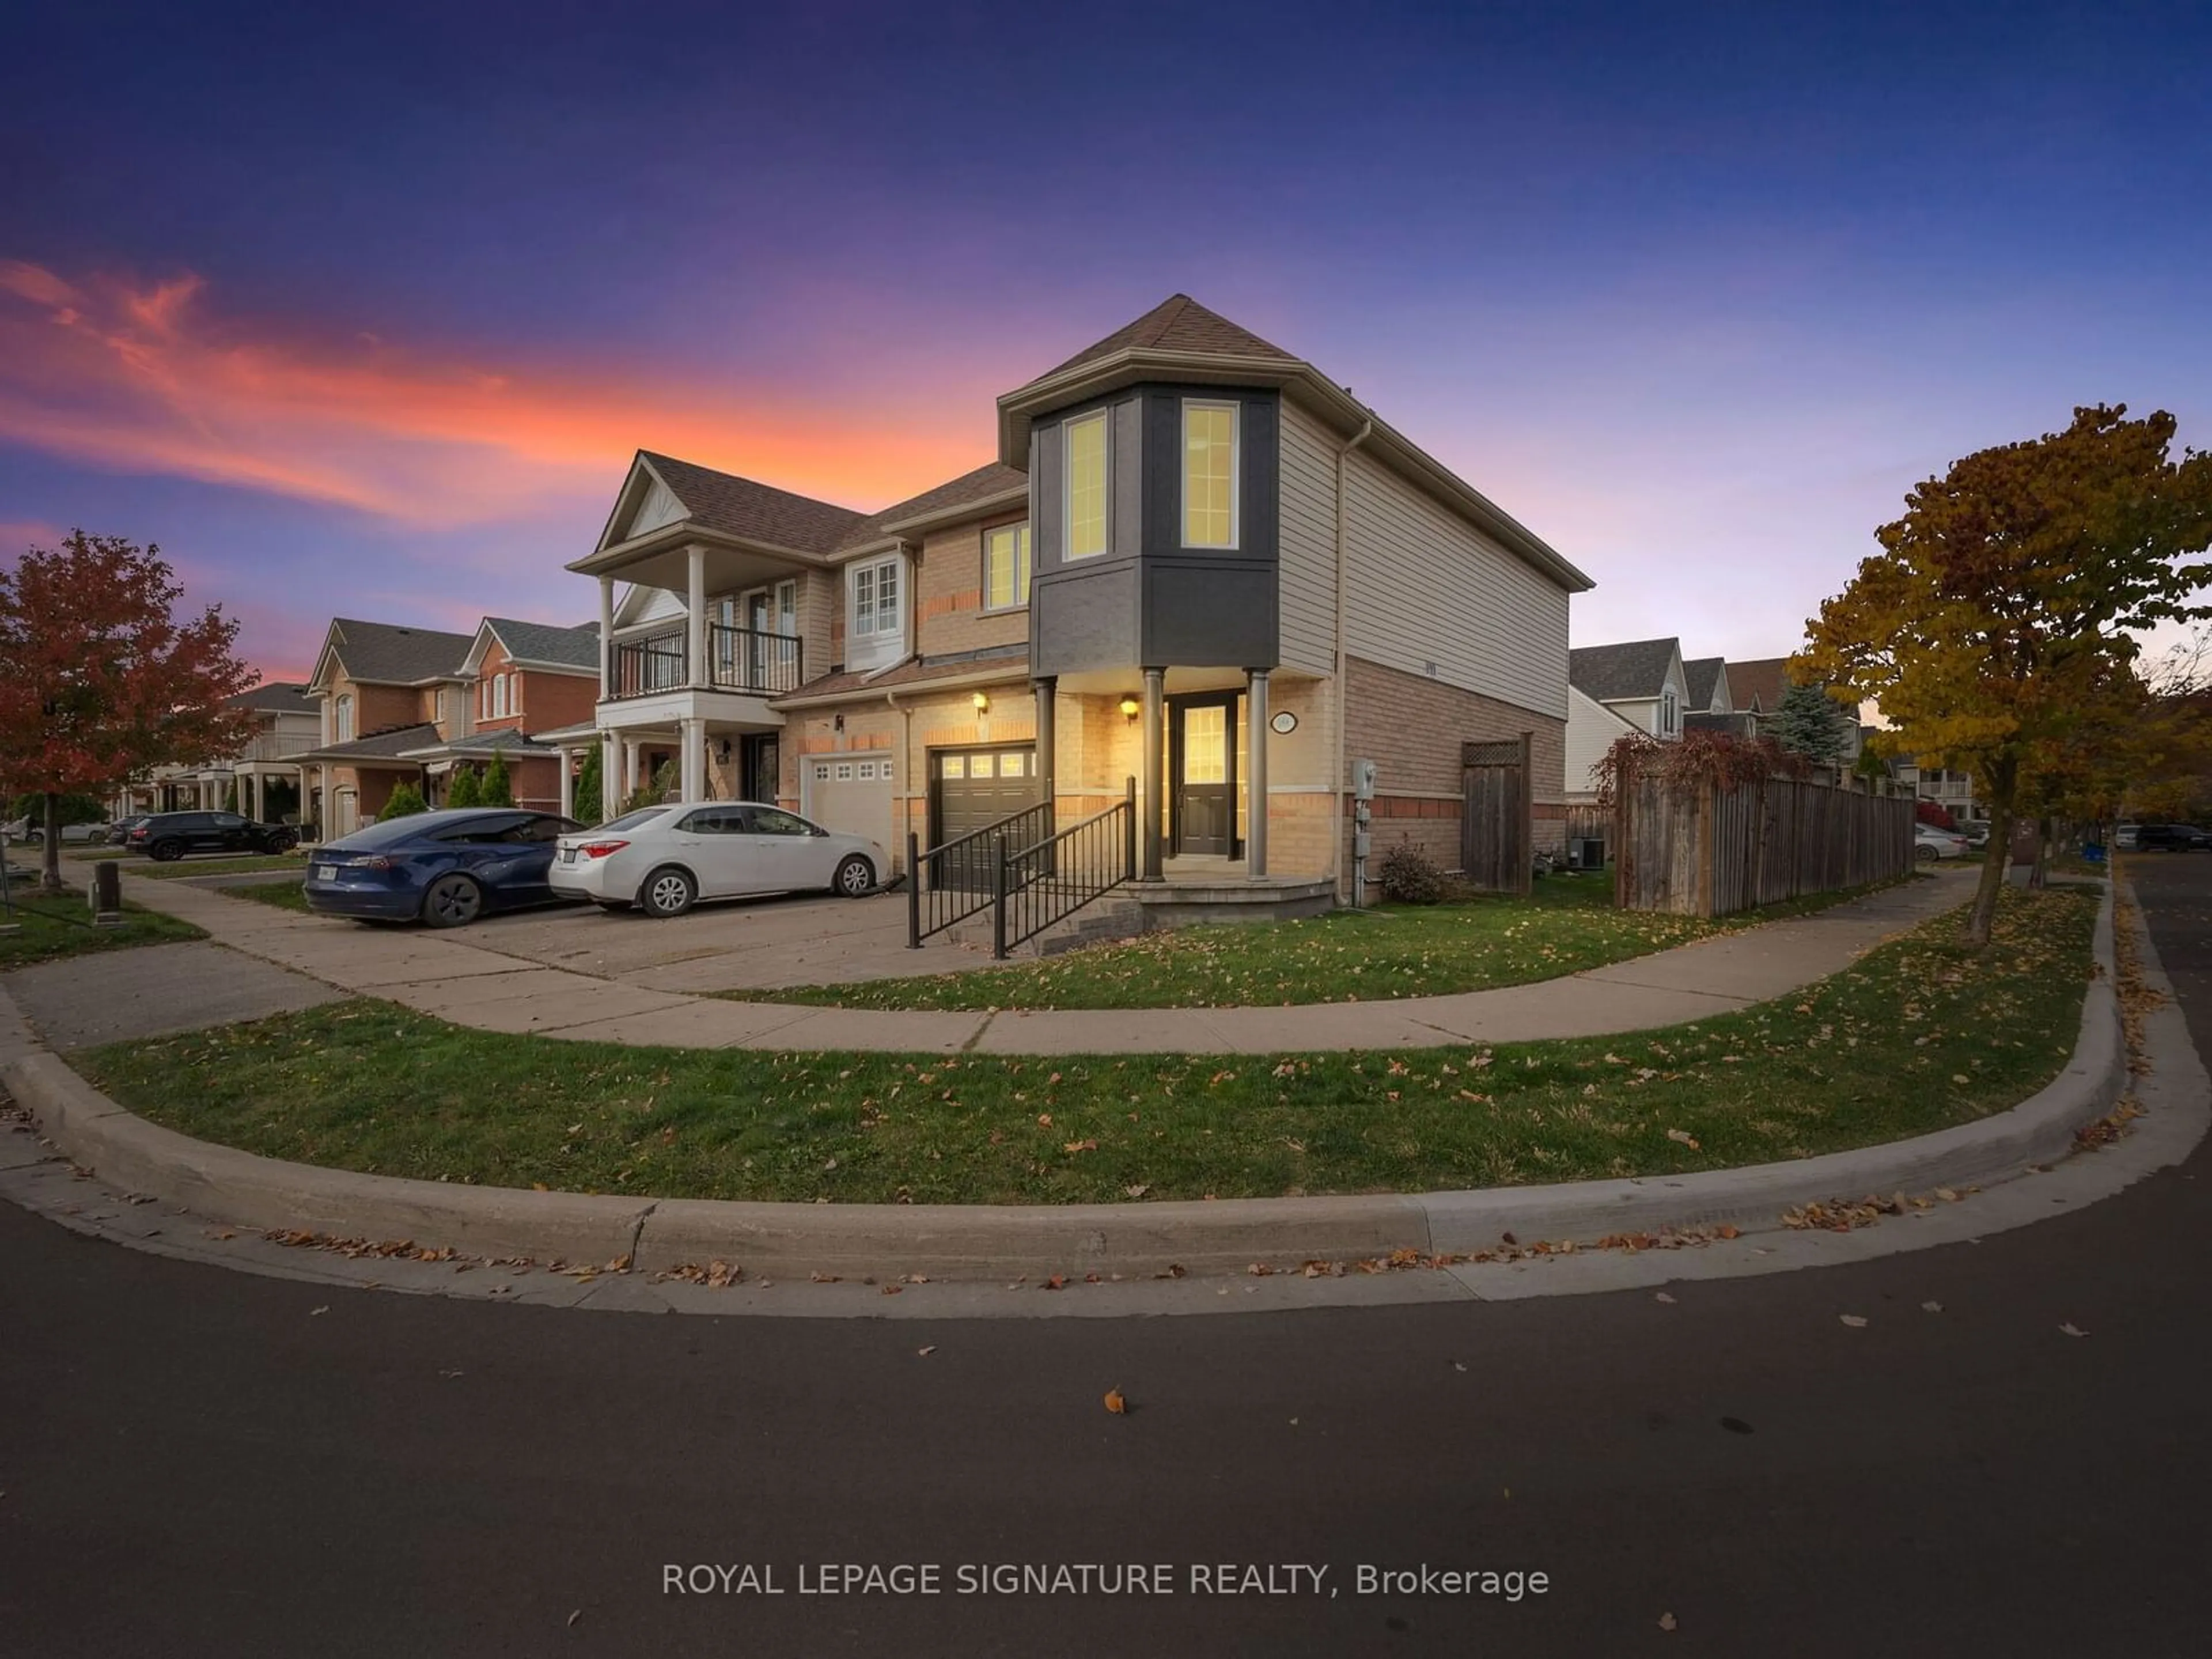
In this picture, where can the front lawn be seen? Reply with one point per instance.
(49, 928)
(226, 864)
(1568, 923)
(1919, 1034)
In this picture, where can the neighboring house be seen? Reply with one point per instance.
(408, 705)
(1952, 790)
(266, 772)
(1197, 562)
(1707, 678)
(1642, 685)
(1760, 688)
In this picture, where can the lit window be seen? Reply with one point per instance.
(876, 598)
(344, 722)
(1086, 486)
(1209, 475)
(1006, 567)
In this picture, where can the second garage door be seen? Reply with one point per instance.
(851, 793)
(971, 788)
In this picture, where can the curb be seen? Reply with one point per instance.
(954, 1242)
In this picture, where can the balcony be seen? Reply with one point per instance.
(277, 746)
(741, 660)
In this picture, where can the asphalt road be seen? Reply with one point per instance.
(193, 1461)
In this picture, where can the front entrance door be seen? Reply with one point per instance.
(1202, 784)
(759, 774)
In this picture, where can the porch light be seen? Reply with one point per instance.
(1129, 706)
(982, 702)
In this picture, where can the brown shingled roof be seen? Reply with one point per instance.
(757, 511)
(1179, 323)
(981, 484)
(1014, 659)
(1764, 680)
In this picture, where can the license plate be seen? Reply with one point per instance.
(326, 872)
(568, 855)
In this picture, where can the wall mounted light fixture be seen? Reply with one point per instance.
(723, 753)
(837, 724)
(1129, 706)
(982, 702)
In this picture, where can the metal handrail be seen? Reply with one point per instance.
(1050, 881)
(955, 880)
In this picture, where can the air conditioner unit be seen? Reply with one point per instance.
(1586, 853)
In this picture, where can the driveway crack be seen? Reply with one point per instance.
(976, 1036)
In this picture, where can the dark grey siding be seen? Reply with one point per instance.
(1150, 601)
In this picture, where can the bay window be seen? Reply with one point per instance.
(1209, 474)
(1086, 486)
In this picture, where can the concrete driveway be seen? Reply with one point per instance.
(806, 939)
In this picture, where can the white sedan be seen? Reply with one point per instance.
(1931, 842)
(666, 858)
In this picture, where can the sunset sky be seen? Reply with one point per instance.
(362, 310)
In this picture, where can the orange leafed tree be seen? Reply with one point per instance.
(2004, 605)
(100, 678)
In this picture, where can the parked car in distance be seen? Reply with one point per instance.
(1931, 843)
(665, 858)
(444, 869)
(2124, 836)
(2170, 838)
(79, 835)
(168, 835)
(119, 831)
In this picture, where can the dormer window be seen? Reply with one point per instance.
(1670, 713)
(1086, 486)
(1209, 474)
(875, 625)
(342, 721)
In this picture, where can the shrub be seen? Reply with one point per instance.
(1409, 876)
(497, 791)
(465, 790)
(661, 788)
(1929, 812)
(406, 801)
(589, 786)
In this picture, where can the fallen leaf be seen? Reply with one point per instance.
(1683, 1138)
(1053, 1283)
(1852, 1320)
(2070, 1330)
(893, 1289)
(1666, 1621)
(1137, 1191)
(1459, 1365)
(574, 1616)
(1931, 1307)
(1117, 1403)
(925, 1352)
(311, 1312)
(1662, 1296)
(1080, 1146)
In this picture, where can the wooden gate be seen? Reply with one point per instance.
(1498, 820)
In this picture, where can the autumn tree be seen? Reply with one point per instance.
(2007, 594)
(100, 678)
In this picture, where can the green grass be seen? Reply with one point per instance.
(50, 928)
(1918, 1034)
(234, 865)
(1567, 925)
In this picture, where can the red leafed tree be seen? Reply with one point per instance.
(1935, 812)
(100, 679)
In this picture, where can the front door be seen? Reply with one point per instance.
(760, 768)
(1202, 789)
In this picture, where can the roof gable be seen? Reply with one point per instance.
(661, 491)
(388, 654)
(1708, 681)
(1616, 673)
(969, 489)
(274, 697)
(537, 645)
(1759, 686)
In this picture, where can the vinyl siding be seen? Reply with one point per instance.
(1427, 589)
(1308, 544)
(1592, 729)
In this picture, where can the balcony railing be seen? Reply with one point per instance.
(278, 745)
(738, 660)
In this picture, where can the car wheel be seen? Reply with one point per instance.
(282, 843)
(1926, 854)
(451, 902)
(855, 876)
(166, 851)
(668, 891)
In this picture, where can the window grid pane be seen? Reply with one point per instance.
(1209, 461)
(1087, 487)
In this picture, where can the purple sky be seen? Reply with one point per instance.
(365, 313)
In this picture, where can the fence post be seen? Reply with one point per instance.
(1129, 828)
(913, 893)
(999, 898)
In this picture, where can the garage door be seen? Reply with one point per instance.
(974, 787)
(849, 793)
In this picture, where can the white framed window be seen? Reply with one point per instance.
(786, 609)
(514, 692)
(1209, 474)
(1670, 713)
(1006, 567)
(484, 699)
(1087, 528)
(341, 723)
(876, 598)
(844, 771)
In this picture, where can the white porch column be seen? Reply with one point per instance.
(1256, 785)
(610, 795)
(691, 766)
(606, 637)
(326, 811)
(695, 630)
(628, 768)
(568, 783)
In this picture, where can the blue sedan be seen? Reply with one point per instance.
(444, 869)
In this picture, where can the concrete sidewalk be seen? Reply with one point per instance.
(460, 980)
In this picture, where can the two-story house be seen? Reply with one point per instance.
(410, 705)
(265, 774)
(1641, 685)
(1197, 562)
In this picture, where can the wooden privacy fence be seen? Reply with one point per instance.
(1498, 823)
(1709, 850)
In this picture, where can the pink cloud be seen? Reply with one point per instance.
(149, 377)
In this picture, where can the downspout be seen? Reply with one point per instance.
(1337, 789)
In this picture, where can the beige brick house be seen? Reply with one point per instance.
(1196, 562)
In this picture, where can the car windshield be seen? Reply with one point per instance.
(636, 820)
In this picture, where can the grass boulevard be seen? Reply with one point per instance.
(1922, 1033)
